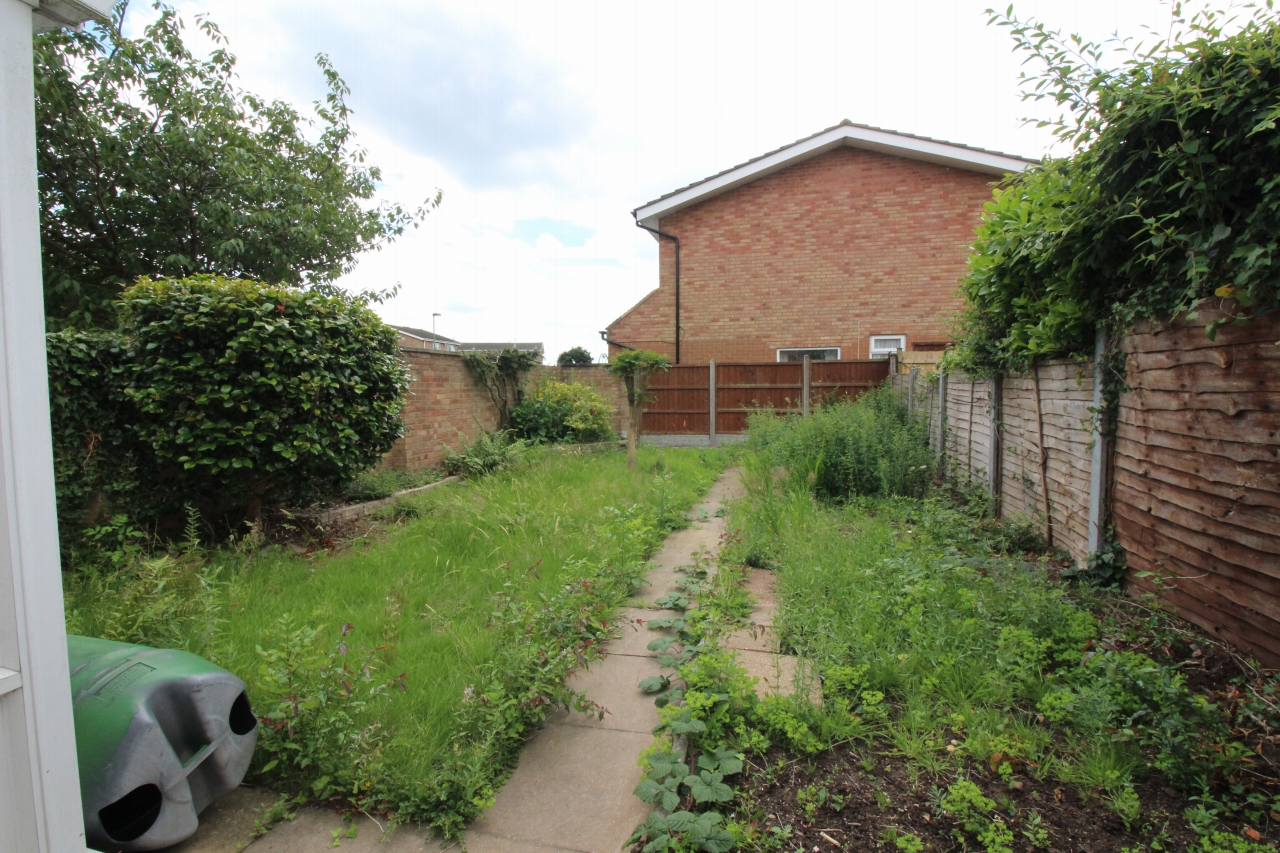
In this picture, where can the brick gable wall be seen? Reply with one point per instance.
(847, 245)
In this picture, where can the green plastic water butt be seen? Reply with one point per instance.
(160, 734)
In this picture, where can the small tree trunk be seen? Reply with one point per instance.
(633, 434)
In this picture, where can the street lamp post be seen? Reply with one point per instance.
(434, 340)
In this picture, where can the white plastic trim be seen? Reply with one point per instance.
(883, 141)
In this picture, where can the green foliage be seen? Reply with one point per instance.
(165, 601)
(312, 739)
(1170, 200)
(558, 411)
(96, 452)
(488, 599)
(153, 162)
(223, 394)
(247, 394)
(680, 831)
(634, 367)
(953, 647)
(501, 373)
(866, 446)
(965, 803)
(491, 451)
(575, 356)
(383, 482)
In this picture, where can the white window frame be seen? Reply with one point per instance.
(781, 350)
(882, 352)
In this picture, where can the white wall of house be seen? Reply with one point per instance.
(40, 806)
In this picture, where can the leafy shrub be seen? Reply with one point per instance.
(491, 451)
(560, 411)
(311, 739)
(1170, 198)
(866, 446)
(501, 373)
(229, 394)
(575, 356)
(96, 452)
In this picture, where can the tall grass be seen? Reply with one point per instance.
(867, 446)
(969, 640)
(439, 594)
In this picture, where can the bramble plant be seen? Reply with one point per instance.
(635, 367)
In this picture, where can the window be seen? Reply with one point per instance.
(814, 353)
(882, 345)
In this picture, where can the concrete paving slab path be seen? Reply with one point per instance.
(572, 790)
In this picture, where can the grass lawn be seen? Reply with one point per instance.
(425, 592)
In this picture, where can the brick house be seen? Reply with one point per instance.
(844, 245)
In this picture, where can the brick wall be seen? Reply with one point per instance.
(825, 253)
(445, 407)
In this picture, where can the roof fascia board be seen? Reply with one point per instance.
(900, 145)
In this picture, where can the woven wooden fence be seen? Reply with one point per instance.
(1191, 481)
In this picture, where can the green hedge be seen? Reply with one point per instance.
(226, 395)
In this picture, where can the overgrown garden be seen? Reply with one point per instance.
(972, 698)
(401, 675)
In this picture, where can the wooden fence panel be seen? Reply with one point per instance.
(845, 379)
(681, 397)
(680, 401)
(1197, 475)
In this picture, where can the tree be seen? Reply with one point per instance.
(502, 373)
(635, 367)
(575, 356)
(153, 163)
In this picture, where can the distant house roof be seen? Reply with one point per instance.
(846, 133)
(423, 335)
(523, 347)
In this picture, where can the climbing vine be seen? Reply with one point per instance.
(1169, 202)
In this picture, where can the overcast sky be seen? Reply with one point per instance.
(545, 124)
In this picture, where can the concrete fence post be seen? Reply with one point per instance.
(711, 411)
(893, 365)
(993, 443)
(804, 389)
(942, 424)
(911, 392)
(1100, 456)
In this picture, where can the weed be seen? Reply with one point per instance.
(1034, 831)
(905, 842)
(810, 798)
